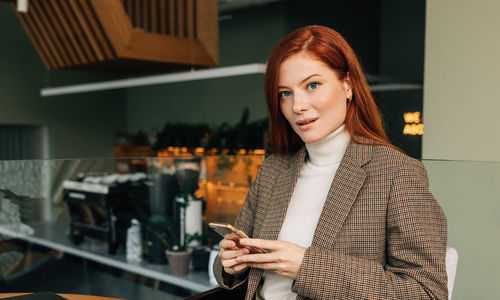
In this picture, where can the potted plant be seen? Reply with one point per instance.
(178, 254)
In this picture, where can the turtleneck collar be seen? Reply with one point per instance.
(329, 149)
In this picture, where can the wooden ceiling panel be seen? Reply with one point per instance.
(101, 34)
(68, 31)
(95, 25)
(42, 20)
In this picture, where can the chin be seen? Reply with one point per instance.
(310, 139)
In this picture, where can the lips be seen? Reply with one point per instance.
(305, 122)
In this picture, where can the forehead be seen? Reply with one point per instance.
(300, 65)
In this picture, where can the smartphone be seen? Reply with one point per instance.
(224, 229)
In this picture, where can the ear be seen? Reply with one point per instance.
(348, 86)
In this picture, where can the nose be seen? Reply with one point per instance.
(300, 104)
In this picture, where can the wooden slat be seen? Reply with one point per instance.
(115, 23)
(87, 30)
(39, 46)
(207, 26)
(45, 36)
(130, 9)
(94, 23)
(127, 4)
(163, 16)
(103, 41)
(82, 39)
(67, 28)
(180, 4)
(190, 21)
(154, 16)
(66, 43)
(171, 17)
(51, 31)
(138, 14)
(145, 15)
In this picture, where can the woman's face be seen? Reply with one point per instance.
(312, 98)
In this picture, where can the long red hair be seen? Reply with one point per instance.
(362, 117)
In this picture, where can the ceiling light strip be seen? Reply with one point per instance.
(156, 79)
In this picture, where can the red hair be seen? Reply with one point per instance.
(327, 45)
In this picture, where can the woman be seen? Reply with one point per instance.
(342, 213)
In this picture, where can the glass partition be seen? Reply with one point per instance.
(83, 208)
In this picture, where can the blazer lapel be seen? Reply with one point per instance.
(282, 193)
(345, 187)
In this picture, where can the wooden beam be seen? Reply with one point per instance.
(166, 48)
(207, 27)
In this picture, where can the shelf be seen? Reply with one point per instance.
(239, 70)
(156, 79)
(55, 236)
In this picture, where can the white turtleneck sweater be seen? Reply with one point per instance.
(306, 205)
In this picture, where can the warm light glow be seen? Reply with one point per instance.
(412, 117)
(413, 129)
(413, 124)
(199, 151)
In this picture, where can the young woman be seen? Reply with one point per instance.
(342, 213)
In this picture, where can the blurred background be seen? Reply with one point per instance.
(432, 63)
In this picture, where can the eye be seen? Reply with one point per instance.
(312, 85)
(284, 94)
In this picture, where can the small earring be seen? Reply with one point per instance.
(349, 100)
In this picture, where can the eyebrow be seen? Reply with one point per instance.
(303, 80)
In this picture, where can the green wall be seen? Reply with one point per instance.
(81, 125)
(468, 192)
(461, 144)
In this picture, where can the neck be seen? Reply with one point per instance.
(329, 149)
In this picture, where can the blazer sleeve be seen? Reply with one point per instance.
(415, 248)
(244, 221)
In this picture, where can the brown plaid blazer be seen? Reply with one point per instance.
(381, 234)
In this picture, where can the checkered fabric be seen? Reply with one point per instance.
(381, 234)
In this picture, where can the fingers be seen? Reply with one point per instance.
(236, 269)
(230, 254)
(229, 262)
(266, 244)
(228, 244)
(258, 258)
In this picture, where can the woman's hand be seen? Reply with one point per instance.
(285, 258)
(228, 253)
